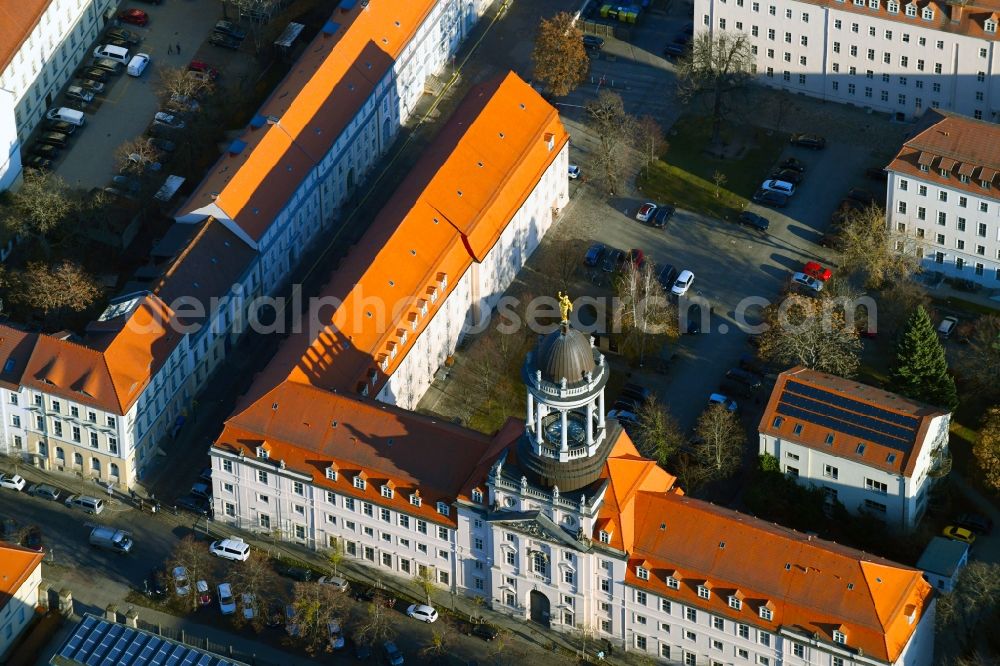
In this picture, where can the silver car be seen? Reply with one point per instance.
(168, 120)
(78, 93)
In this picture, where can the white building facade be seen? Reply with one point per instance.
(893, 56)
(943, 199)
(20, 576)
(45, 43)
(845, 441)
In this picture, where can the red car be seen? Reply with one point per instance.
(133, 16)
(813, 269)
(204, 68)
(636, 257)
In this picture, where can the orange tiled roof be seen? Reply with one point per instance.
(15, 350)
(447, 213)
(898, 458)
(324, 91)
(811, 586)
(965, 19)
(17, 20)
(16, 566)
(121, 358)
(627, 474)
(310, 428)
(961, 146)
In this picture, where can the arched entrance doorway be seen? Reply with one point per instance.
(539, 608)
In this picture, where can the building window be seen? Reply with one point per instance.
(442, 508)
(839, 637)
(830, 471)
(704, 592)
(642, 573)
(765, 613)
(901, 207)
(386, 492)
(673, 583)
(359, 482)
(876, 486)
(735, 603)
(743, 631)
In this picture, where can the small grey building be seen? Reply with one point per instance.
(942, 560)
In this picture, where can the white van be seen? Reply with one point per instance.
(66, 115)
(116, 53)
(89, 504)
(137, 65)
(230, 549)
(780, 186)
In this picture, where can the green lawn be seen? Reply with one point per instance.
(684, 176)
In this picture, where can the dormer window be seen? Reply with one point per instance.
(383, 362)
(604, 536)
(989, 25)
(985, 184)
(944, 173)
(331, 473)
(443, 280)
(642, 573)
(415, 499)
(893, 7)
(262, 452)
(873, 4)
(477, 496)
(923, 167)
(359, 482)
(839, 637)
(963, 178)
(673, 583)
(911, 11)
(829, 438)
(861, 449)
(766, 613)
(442, 508)
(704, 592)
(387, 491)
(777, 422)
(927, 14)
(735, 603)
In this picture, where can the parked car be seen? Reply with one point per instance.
(227, 603)
(168, 120)
(807, 281)
(203, 67)
(574, 172)
(224, 41)
(149, 167)
(814, 269)
(947, 326)
(792, 164)
(182, 586)
(645, 212)
(335, 635)
(38, 162)
(957, 533)
(249, 603)
(754, 221)
(772, 199)
(666, 276)
(133, 17)
(184, 102)
(338, 583)
(725, 401)
(123, 35)
(230, 549)
(742, 376)
(137, 65)
(33, 539)
(812, 141)
(153, 585)
(229, 29)
(204, 596)
(975, 522)
(291, 624)
(196, 505)
(613, 258)
(636, 257)
(57, 139)
(201, 489)
(92, 74)
(392, 654)
(682, 283)
(485, 631)
(593, 42)
(787, 175)
(13, 482)
(45, 491)
(300, 574)
(108, 65)
(44, 150)
(779, 186)
(594, 254)
(675, 50)
(92, 85)
(8, 529)
(79, 94)
(661, 216)
(623, 415)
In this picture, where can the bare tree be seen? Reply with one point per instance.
(660, 436)
(979, 361)
(868, 247)
(720, 179)
(39, 209)
(720, 440)
(378, 626)
(179, 82)
(614, 129)
(316, 605)
(47, 288)
(987, 448)
(691, 475)
(897, 301)
(966, 612)
(258, 12)
(644, 308)
(719, 64)
(194, 558)
(136, 155)
(256, 578)
(811, 332)
(561, 61)
(648, 139)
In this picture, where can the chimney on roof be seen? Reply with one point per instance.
(957, 10)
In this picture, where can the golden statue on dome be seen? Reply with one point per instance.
(565, 307)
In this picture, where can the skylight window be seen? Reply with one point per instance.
(861, 449)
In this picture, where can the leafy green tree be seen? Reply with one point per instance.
(921, 369)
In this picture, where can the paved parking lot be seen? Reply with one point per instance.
(128, 105)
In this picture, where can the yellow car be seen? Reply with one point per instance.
(959, 534)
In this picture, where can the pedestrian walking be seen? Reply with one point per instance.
(178, 47)
(170, 49)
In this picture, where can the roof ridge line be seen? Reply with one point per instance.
(184, 254)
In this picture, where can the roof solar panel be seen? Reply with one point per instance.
(839, 414)
(847, 428)
(903, 420)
